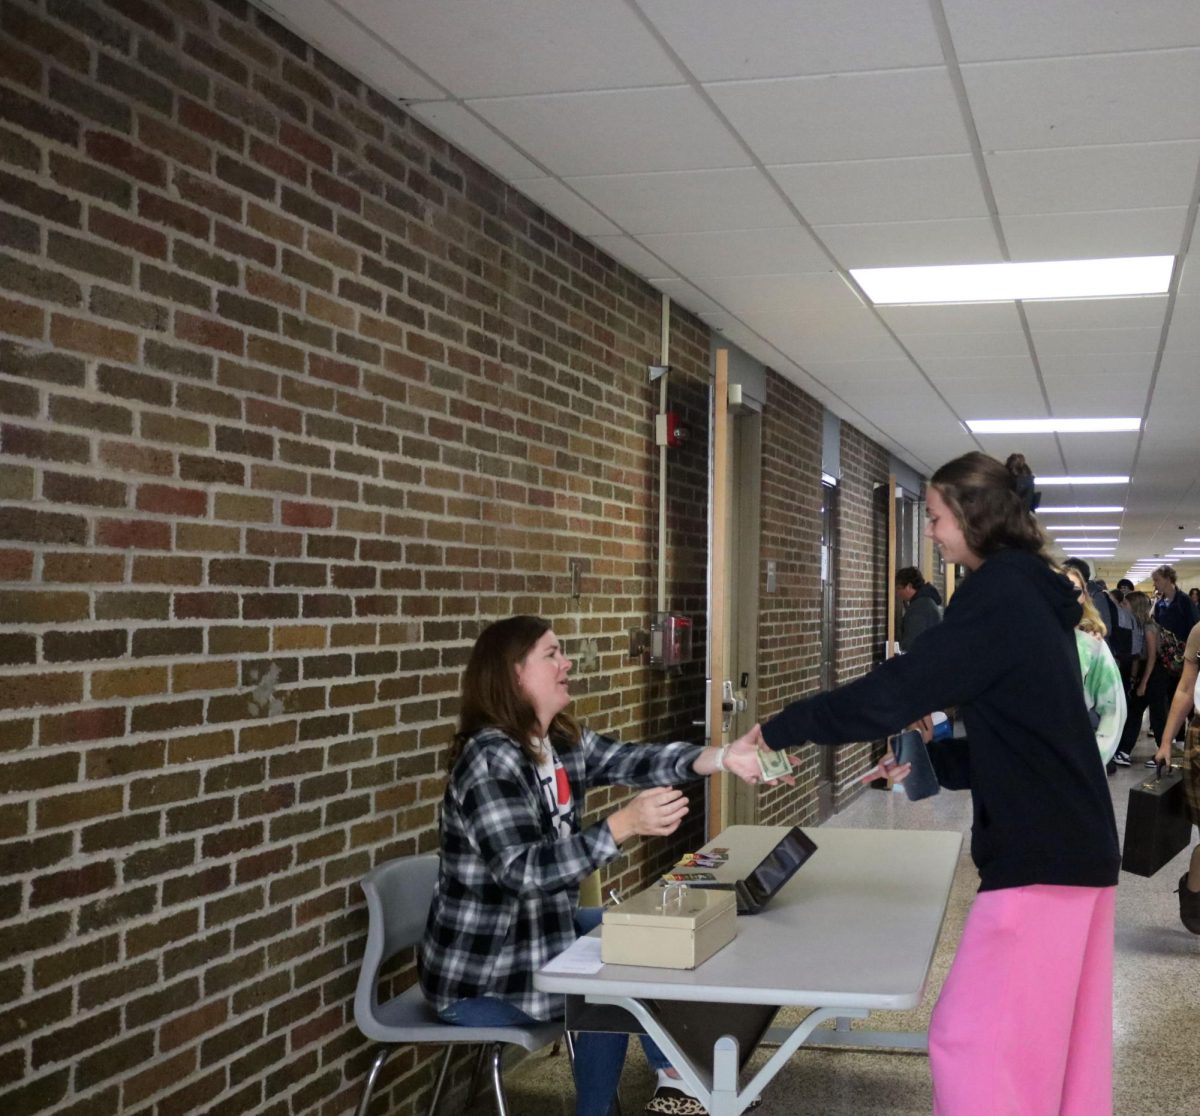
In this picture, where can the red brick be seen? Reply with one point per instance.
(306, 515)
(21, 319)
(172, 501)
(134, 534)
(82, 725)
(128, 158)
(79, 335)
(129, 234)
(209, 333)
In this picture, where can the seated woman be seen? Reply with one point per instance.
(514, 853)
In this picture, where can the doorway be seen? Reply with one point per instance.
(829, 520)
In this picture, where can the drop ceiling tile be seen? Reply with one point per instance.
(1073, 236)
(686, 201)
(1062, 102)
(1031, 28)
(1078, 179)
(467, 132)
(634, 256)
(832, 372)
(781, 294)
(1062, 367)
(510, 47)
(789, 250)
(980, 400)
(1122, 398)
(1097, 313)
(1014, 373)
(616, 131)
(1184, 334)
(780, 38)
(567, 206)
(955, 346)
(912, 243)
(688, 296)
(896, 113)
(933, 187)
(970, 317)
(826, 335)
(1089, 453)
(357, 45)
(1100, 342)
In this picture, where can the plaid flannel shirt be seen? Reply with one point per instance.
(508, 887)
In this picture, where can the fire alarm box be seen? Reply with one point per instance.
(669, 430)
(670, 640)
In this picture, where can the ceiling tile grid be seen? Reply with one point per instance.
(743, 157)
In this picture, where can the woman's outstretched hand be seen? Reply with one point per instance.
(653, 813)
(741, 758)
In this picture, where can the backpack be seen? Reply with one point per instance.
(1170, 650)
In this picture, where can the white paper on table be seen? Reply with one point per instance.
(580, 958)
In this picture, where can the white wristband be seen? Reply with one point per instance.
(719, 759)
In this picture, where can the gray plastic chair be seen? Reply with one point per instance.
(398, 897)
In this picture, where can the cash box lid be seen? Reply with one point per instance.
(656, 907)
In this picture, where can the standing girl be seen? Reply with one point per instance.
(1024, 1023)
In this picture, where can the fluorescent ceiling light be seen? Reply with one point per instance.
(1085, 539)
(1053, 425)
(1006, 282)
(1082, 509)
(1081, 480)
(1059, 528)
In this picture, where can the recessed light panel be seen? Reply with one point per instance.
(1008, 282)
(1082, 510)
(1053, 425)
(1081, 480)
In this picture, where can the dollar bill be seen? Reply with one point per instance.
(773, 765)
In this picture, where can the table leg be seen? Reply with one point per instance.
(717, 1088)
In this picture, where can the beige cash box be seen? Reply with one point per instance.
(667, 928)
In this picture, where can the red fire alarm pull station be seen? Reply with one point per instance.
(669, 430)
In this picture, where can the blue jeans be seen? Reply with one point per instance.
(599, 1056)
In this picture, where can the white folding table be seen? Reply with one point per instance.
(853, 931)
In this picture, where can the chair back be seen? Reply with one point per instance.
(398, 896)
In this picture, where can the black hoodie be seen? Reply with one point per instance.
(1005, 655)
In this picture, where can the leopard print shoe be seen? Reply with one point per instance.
(668, 1101)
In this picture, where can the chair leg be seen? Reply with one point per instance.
(497, 1083)
(476, 1073)
(373, 1073)
(441, 1080)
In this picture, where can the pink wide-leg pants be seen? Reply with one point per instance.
(1024, 1023)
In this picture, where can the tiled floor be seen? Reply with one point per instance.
(1156, 1010)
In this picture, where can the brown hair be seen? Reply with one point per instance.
(491, 697)
(989, 505)
(1091, 622)
(1139, 605)
(910, 575)
(1169, 573)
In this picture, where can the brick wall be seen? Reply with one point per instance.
(861, 583)
(789, 621)
(293, 398)
(789, 644)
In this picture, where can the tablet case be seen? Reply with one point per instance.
(922, 782)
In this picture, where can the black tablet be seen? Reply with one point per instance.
(773, 871)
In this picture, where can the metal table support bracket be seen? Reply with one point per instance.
(718, 1091)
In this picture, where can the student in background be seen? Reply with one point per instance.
(922, 605)
(1183, 701)
(1103, 690)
